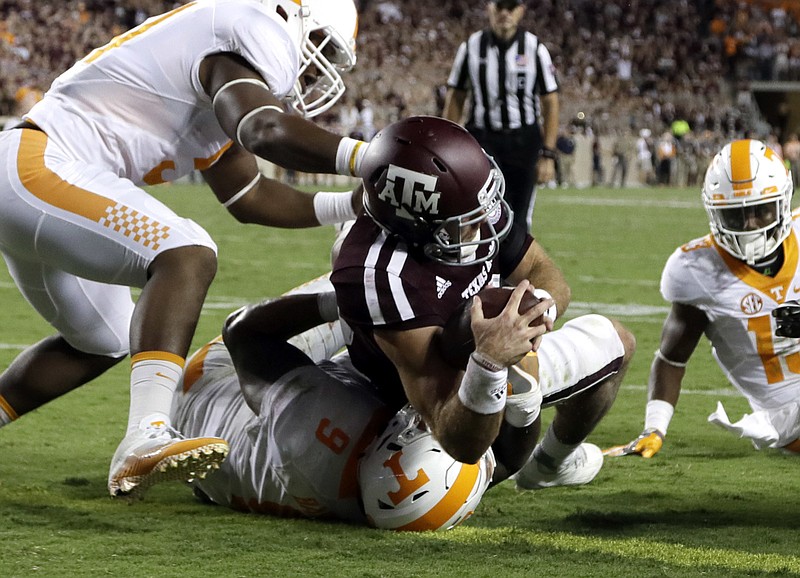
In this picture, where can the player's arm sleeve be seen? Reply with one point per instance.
(266, 47)
(679, 281)
(513, 249)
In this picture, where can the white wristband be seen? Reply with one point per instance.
(349, 156)
(658, 415)
(483, 391)
(551, 312)
(332, 208)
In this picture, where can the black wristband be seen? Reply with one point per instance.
(547, 153)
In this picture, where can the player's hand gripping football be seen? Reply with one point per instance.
(787, 319)
(507, 338)
(646, 445)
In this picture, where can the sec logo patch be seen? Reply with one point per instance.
(751, 304)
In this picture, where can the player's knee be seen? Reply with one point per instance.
(194, 262)
(105, 341)
(627, 338)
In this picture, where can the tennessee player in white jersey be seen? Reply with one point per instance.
(737, 286)
(205, 86)
(308, 436)
(295, 455)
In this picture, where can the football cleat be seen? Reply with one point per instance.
(158, 454)
(580, 468)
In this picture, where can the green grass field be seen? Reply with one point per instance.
(707, 505)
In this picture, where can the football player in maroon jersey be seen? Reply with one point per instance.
(435, 232)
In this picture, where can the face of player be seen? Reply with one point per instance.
(466, 235)
(751, 218)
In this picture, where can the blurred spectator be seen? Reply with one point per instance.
(565, 163)
(665, 154)
(24, 99)
(644, 157)
(597, 162)
(772, 142)
(365, 119)
(637, 58)
(791, 154)
(620, 153)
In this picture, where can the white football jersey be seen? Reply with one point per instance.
(299, 457)
(136, 106)
(738, 302)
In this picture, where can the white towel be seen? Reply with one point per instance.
(765, 428)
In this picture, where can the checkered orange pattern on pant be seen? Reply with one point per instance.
(53, 190)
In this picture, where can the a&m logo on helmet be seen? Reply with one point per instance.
(409, 190)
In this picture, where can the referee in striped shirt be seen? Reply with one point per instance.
(511, 79)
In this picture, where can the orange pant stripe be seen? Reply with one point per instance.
(194, 369)
(4, 405)
(157, 356)
(46, 185)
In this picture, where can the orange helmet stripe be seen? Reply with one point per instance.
(435, 518)
(741, 175)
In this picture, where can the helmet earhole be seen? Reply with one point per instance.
(282, 13)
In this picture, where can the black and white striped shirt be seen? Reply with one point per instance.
(527, 70)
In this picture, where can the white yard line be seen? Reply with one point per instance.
(725, 392)
(594, 201)
(577, 308)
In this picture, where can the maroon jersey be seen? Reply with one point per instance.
(382, 282)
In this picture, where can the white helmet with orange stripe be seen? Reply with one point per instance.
(408, 482)
(325, 33)
(747, 194)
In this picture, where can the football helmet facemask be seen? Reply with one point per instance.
(428, 181)
(409, 483)
(324, 32)
(747, 194)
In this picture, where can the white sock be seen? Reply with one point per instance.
(551, 452)
(7, 413)
(154, 380)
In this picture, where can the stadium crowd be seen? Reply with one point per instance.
(624, 65)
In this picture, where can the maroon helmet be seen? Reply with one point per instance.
(428, 181)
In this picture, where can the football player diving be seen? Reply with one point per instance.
(206, 86)
(435, 232)
(739, 287)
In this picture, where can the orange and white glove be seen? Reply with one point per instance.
(646, 445)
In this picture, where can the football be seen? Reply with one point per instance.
(456, 342)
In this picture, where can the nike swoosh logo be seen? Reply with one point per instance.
(159, 374)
